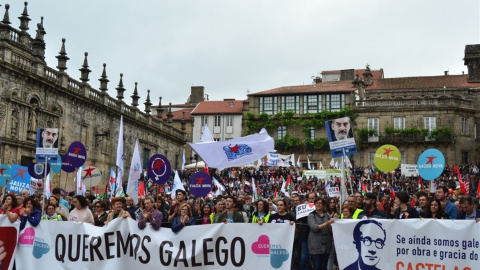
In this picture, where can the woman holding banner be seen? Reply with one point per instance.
(183, 218)
(320, 239)
(10, 208)
(81, 212)
(31, 214)
(261, 215)
(435, 210)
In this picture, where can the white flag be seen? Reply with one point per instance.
(183, 160)
(80, 185)
(332, 163)
(308, 164)
(321, 166)
(254, 189)
(134, 174)
(47, 187)
(119, 163)
(283, 189)
(207, 135)
(235, 152)
(336, 165)
(177, 184)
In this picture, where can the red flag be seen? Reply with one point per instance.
(275, 194)
(420, 183)
(392, 193)
(413, 203)
(141, 189)
(289, 180)
(364, 187)
(463, 189)
(205, 168)
(478, 189)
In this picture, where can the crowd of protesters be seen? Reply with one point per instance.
(373, 195)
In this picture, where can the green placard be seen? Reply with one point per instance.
(387, 158)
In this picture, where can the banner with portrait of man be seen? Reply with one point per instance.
(383, 244)
(47, 144)
(340, 136)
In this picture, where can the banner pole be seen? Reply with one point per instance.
(44, 181)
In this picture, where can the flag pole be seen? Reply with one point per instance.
(343, 185)
(44, 181)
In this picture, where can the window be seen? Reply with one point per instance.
(399, 122)
(430, 124)
(217, 120)
(464, 157)
(216, 139)
(268, 105)
(464, 126)
(290, 103)
(281, 132)
(204, 120)
(312, 104)
(335, 102)
(311, 132)
(146, 157)
(371, 157)
(373, 124)
(229, 120)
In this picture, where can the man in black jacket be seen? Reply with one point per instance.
(469, 212)
(370, 210)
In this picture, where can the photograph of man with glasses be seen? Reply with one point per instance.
(369, 239)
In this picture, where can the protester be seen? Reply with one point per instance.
(206, 217)
(81, 212)
(100, 215)
(31, 214)
(320, 239)
(404, 210)
(469, 212)
(50, 214)
(447, 205)
(347, 211)
(435, 210)
(60, 209)
(261, 215)
(118, 210)
(10, 208)
(180, 196)
(150, 215)
(282, 216)
(230, 215)
(183, 218)
(370, 210)
(218, 210)
(131, 208)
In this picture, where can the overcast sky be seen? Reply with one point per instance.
(232, 47)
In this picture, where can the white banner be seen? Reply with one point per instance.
(121, 245)
(333, 192)
(8, 242)
(320, 174)
(409, 169)
(407, 244)
(280, 160)
(304, 209)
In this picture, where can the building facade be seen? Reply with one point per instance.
(413, 113)
(34, 95)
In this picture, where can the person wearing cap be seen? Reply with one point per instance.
(180, 196)
(370, 210)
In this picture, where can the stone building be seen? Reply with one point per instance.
(34, 95)
(413, 113)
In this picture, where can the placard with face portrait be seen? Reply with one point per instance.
(47, 144)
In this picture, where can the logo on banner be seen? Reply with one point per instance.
(28, 239)
(237, 151)
(200, 184)
(277, 254)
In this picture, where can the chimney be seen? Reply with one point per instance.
(472, 61)
(347, 75)
(446, 72)
(197, 94)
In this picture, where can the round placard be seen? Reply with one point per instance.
(200, 184)
(159, 169)
(37, 170)
(430, 164)
(67, 166)
(91, 176)
(5, 174)
(387, 158)
(77, 154)
(56, 164)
